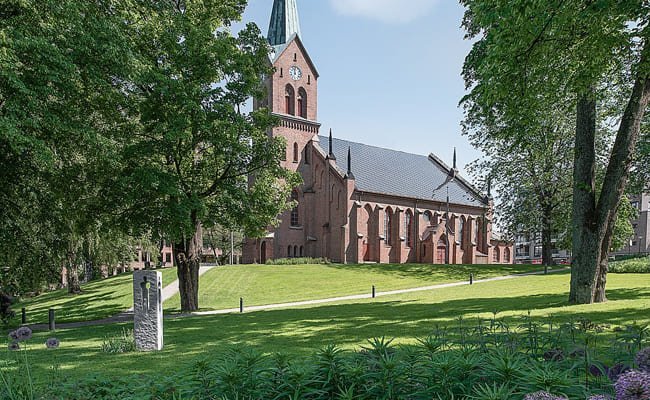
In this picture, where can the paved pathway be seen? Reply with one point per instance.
(168, 292)
(171, 289)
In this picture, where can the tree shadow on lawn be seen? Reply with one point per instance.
(433, 272)
(301, 331)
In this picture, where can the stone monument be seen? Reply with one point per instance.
(147, 310)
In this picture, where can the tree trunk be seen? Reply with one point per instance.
(74, 286)
(188, 260)
(547, 245)
(586, 246)
(593, 225)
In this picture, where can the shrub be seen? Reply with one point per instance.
(297, 261)
(631, 266)
(123, 342)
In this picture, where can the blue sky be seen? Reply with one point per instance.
(389, 70)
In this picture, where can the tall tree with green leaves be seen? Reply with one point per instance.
(198, 157)
(532, 176)
(574, 53)
(62, 64)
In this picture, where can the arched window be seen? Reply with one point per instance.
(302, 254)
(295, 216)
(295, 251)
(289, 251)
(388, 225)
(461, 231)
(427, 217)
(506, 255)
(295, 152)
(495, 255)
(289, 100)
(408, 228)
(302, 103)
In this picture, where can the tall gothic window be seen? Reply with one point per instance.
(290, 99)
(296, 153)
(387, 226)
(408, 228)
(302, 103)
(495, 255)
(295, 216)
(461, 231)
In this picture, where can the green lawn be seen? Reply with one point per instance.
(100, 299)
(221, 288)
(301, 330)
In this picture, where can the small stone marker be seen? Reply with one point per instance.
(147, 310)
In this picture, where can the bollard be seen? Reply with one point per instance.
(241, 304)
(471, 279)
(374, 293)
(23, 315)
(51, 322)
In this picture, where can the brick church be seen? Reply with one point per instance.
(360, 203)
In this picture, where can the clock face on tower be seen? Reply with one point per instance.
(295, 73)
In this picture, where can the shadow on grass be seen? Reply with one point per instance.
(300, 331)
(427, 272)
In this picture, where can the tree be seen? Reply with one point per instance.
(196, 157)
(62, 64)
(219, 237)
(574, 53)
(531, 176)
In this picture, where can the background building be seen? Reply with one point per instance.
(361, 203)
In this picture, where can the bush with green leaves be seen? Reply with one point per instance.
(297, 261)
(6, 313)
(631, 266)
(478, 360)
(123, 342)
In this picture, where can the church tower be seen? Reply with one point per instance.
(293, 87)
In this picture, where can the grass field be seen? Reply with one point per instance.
(100, 299)
(349, 324)
(258, 284)
(221, 288)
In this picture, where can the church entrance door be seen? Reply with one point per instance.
(263, 253)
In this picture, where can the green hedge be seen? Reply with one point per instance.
(297, 261)
(632, 265)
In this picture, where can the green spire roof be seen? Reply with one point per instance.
(284, 22)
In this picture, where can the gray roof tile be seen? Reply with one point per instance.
(385, 171)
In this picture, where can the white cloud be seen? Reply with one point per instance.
(391, 11)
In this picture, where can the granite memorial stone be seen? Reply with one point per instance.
(147, 310)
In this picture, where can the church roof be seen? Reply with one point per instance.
(284, 22)
(392, 172)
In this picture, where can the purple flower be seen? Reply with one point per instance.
(52, 343)
(643, 359)
(616, 370)
(13, 336)
(633, 385)
(541, 395)
(554, 355)
(24, 333)
(13, 346)
(596, 370)
(599, 397)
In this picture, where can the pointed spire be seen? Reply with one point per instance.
(284, 22)
(349, 174)
(456, 169)
(331, 155)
